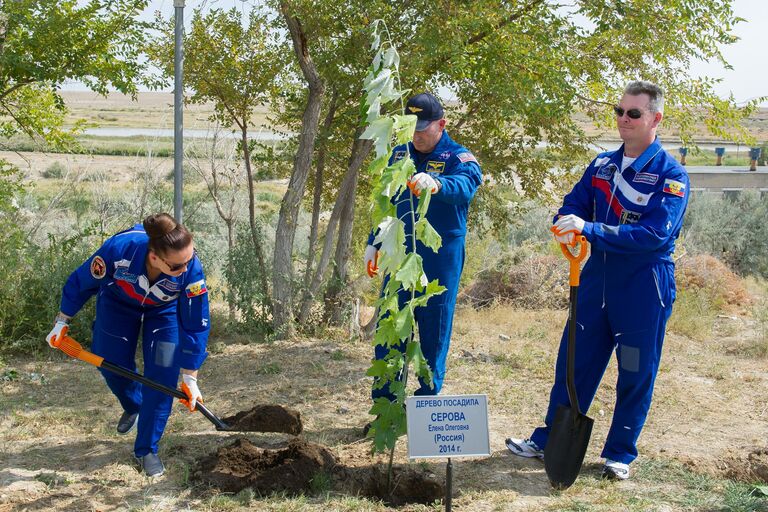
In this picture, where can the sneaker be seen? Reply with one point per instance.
(151, 464)
(615, 470)
(127, 422)
(524, 448)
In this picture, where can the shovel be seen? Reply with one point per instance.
(73, 349)
(569, 436)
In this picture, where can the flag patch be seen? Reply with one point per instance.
(466, 157)
(196, 288)
(676, 188)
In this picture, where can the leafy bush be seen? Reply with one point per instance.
(732, 230)
(244, 284)
(30, 297)
(56, 170)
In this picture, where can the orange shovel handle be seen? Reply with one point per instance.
(373, 266)
(574, 259)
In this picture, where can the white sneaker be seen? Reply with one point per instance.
(524, 448)
(615, 470)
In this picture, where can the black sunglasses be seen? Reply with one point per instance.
(633, 113)
(178, 266)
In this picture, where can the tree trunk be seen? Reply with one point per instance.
(230, 267)
(282, 276)
(334, 299)
(360, 149)
(255, 230)
(316, 203)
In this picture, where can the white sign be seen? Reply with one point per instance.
(448, 426)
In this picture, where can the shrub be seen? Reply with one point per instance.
(732, 230)
(708, 274)
(30, 297)
(56, 170)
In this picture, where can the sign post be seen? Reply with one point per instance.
(448, 426)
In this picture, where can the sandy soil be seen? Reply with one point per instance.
(59, 450)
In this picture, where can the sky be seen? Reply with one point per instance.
(747, 80)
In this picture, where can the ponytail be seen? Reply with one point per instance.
(165, 234)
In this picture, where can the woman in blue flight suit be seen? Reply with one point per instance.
(149, 278)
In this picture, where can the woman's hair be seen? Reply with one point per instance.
(165, 234)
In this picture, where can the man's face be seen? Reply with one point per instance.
(426, 140)
(637, 130)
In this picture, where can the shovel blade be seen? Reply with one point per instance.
(566, 446)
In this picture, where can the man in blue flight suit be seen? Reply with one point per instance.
(147, 279)
(453, 174)
(629, 204)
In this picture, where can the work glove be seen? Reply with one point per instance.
(59, 329)
(566, 238)
(371, 260)
(569, 224)
(189, 387)
(422, 181)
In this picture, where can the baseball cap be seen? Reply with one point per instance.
(426, 108)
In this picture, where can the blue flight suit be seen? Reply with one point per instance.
(172, 313)
(459, 174)
(627, 286)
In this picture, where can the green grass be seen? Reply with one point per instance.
(694, 313)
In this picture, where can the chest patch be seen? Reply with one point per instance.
(98, 267)
(676, 188)
(169, 285)
(196, 288)
(646, 177)
(435, 166)
(605, 172)
(628, 217)
(123, 274)
(466, 157)
(398, 155)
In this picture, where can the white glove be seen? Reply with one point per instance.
(423, 181)
(370, 260)
(59, 329)
(569, 224)
(566, 239)
(189, 386)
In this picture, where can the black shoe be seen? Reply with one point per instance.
(126, 422)
(151, 464)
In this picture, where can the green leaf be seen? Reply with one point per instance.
(411, 272)
(427, 235)
(762, 489)
(404, 128)
(433, 289)
(415, 356)
(391, 236)
(380, 131)
(404, 323)
(424, 200)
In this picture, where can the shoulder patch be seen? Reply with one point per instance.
(435, 166)
(98, 267)
(676, 188)
(196, 288)
(466, 157)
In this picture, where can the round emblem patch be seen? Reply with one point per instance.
(98, 267)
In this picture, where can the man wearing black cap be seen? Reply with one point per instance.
(452, 173)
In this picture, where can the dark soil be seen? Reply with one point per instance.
(266, 418)
(752, 468)
(303, 467)
(242, 464)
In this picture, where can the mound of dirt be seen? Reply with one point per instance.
(752, 468)
(266, 418)
(705, 272)
(242, 464)
(534, 283)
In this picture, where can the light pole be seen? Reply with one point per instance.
(178, 113)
